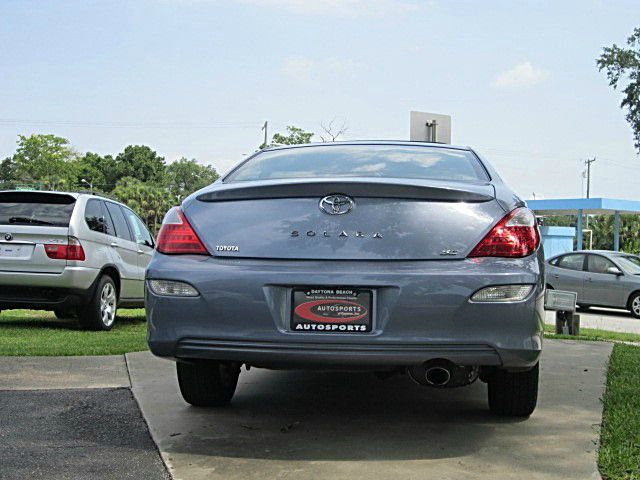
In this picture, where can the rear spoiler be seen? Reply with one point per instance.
(34, 196)
(434, 191)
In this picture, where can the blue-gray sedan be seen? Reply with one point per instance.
(395, 257)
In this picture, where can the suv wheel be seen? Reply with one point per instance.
(513, 394)
(100, 312)
(208, 384)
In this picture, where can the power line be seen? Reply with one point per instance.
(104, 124)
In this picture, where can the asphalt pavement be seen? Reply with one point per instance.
(96, 434)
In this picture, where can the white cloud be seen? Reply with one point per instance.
(298, 68)
(342, 8)
(522, 75)
(302, 68)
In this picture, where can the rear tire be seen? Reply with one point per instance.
(208, 384)
(634, 305)
(513, 394)
(100, 312)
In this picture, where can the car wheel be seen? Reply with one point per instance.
(63, 313)
(100, 312)
(634, 305)
(513, 394)
(208, 384)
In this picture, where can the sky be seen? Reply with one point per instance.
(198, 78)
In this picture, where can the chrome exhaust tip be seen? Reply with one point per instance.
(443, 373)
(437, 376)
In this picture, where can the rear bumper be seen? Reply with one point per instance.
(291, 354)
(422, 312)
(72, 287)
(71, 277)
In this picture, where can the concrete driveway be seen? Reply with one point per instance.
(336, 425)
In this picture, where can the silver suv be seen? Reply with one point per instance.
(79, 255)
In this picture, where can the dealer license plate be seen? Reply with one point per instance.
(331, 310)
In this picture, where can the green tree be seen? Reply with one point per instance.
(7, 170)
(97, 170)
(45, 159)
(139, 161)
(622, 66)
(150, 202)
(186, 176)
(295, 136)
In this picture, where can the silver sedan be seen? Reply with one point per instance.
(600, 278)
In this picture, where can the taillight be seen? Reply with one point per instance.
(515, 236)
(71, 251)
(177, 236)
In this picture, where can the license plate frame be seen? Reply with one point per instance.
(340, 310)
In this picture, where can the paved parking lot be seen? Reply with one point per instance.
(292, 424)
(350, 425)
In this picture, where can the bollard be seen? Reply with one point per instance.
(567, 323)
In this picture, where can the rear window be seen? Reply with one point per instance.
(37, 209)
(392, 161)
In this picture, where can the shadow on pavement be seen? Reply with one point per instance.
(344, 416)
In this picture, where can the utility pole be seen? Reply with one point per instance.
(265, 127)
(588, 163)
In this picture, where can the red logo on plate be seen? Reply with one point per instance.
(331, 311)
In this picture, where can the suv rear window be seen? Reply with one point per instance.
(35, 208)
(391, 161)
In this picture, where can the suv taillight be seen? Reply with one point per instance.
(71, 251)
(515, 236)
(178, 237)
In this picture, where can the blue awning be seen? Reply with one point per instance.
(582, 206)
(568, 206)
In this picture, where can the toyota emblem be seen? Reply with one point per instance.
(336, 204)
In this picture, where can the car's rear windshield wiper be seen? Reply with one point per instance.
(29, 220)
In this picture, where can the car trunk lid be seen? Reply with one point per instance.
(28, 222)
(391, 219)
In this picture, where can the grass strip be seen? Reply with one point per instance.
(619, 453)
(594, 334)
(29, 332)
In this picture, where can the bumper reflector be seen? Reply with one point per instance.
(502, 293)
(172, 288)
